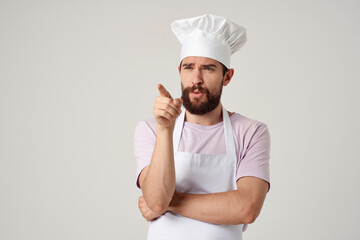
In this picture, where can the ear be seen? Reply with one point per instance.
(228, 76)
(179, 69)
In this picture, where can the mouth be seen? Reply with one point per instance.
(196, 94)
(196, 91)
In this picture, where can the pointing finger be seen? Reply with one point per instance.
(163, 92)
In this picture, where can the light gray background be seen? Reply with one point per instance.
(77, 76)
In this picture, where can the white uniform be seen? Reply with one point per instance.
(199, 174)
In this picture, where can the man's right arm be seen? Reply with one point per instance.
(157, 181)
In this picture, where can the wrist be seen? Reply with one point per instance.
(175, 202)
(163, 129)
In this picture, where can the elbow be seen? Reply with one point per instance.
(158, 203)
(158, 207)
(250, 218)
(247, 215)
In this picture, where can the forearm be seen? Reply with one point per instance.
(226, 208)
(158, 185)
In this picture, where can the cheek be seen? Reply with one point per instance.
(185, 81)
(215, 82)
(183, 85)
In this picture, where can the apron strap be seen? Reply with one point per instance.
(229, 137)
(178, 130)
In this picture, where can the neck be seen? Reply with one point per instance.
(208, 119)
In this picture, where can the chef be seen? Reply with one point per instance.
(203, 170)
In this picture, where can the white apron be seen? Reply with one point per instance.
(199, 174)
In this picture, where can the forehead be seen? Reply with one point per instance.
(200, 61)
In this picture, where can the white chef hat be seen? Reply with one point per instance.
(209, 36)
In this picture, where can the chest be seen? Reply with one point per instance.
(203, 141)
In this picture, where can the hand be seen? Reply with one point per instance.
(147, 213)
(166, 109)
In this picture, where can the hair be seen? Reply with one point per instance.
(225, 69)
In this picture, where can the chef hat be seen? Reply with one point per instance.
(209, 36)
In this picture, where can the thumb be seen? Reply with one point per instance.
(178, 101)
(163, 92)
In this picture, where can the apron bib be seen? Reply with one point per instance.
(199, 174)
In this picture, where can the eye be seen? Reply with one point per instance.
(209, 69)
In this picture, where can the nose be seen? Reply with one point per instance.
(197, 78)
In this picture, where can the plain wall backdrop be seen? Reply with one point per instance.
(77, 76)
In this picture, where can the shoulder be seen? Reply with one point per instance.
(246, 125)
(145, 128)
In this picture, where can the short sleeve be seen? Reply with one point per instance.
(255, 160)
(144, 142)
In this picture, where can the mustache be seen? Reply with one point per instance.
(197, 87)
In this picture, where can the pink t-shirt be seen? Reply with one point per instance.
(252, 142)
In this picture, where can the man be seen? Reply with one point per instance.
(203, 171)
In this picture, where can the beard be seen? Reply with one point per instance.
(197, 106)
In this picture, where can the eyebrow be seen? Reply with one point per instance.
(203, 65)
(209, 65)
(187, 64)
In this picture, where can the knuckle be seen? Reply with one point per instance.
(167, 100)
(168, 115)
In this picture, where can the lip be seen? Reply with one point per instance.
(196, 94)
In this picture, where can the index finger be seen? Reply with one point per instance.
(163, 92)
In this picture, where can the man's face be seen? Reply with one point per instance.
(201, 83)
